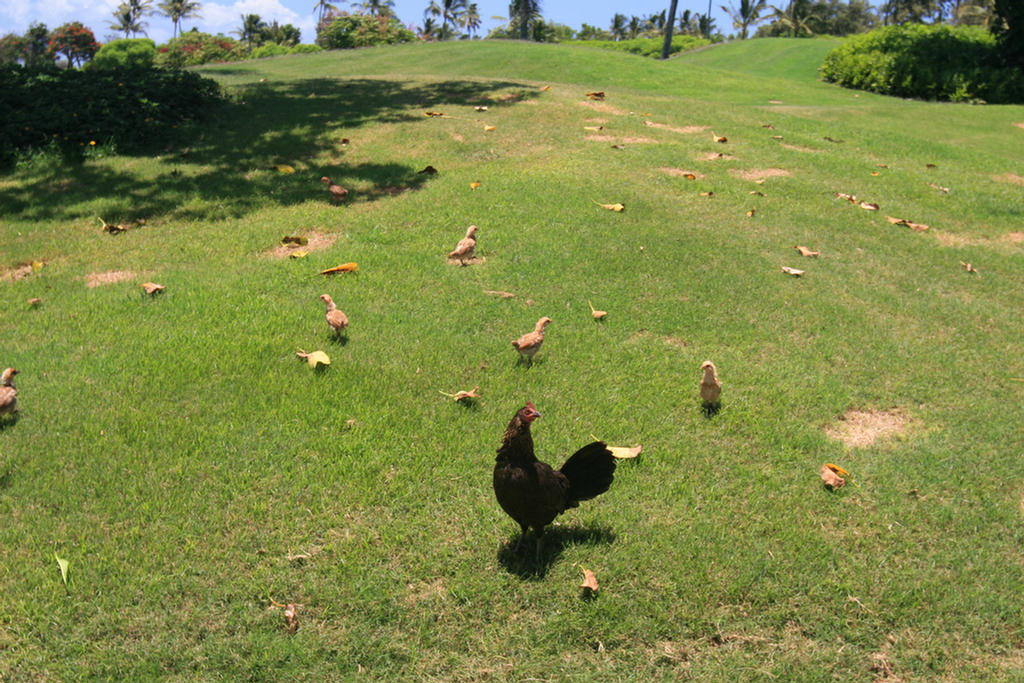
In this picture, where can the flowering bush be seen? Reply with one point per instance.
(74, 41)
(193, 48)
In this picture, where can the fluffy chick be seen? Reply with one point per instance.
(529, 343)
(338, 193)
(337, 320)
(8, 394)
(710, 387)
(466, 246)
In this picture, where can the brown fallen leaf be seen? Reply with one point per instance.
(498, 293)
(768, 126)
(598, 315)
(462, 395)
(969, 268)
(473, 185)
(916, 227)
(114, 229)
(596, 95)
(940, 188)
(830, 474)
(875, 174)
(750, 214)
(831, 139)
(593, 127)
(291, 617)
(589, 580)
(294, 239)
(545, 88)
(433, 113)
(349, 267)
(429, 170)
(804, 251)
(707, 194)
(778, 137)
(795, 272)
(848, 197)
(931, 166)
(34, 301)
(344, 141)
(869, 206)
(882, 165)
(719, 138)
(480, 107)
(757, 193)
(314, 358)
(152, 288)
(617, 208)
(618, 147)
(690, 176)
(490, 128)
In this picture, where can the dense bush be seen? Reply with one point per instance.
(648, 47)
(125, 53)
(73, 109)
(194, 48)
(925, 62)
(303, 48)
(270, 50)
(361, 30)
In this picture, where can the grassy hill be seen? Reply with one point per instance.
(195, 474)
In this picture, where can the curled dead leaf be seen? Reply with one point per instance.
(490, 128)
(707, 194)
(931, 166)
(152, 288)
(969, 268)
(298, 253)
(875, 174)
(433, 113)
(34, 301)
(795, 272)
(617, 208)
(545, 88)
(830, 475)
(497, 293)
(596, 95)
(804, 251)
(750, 214)
(344, 141)
(291, 617)
(624, 453)
(768, 126)
(940, 188)
(480, 107)
(869, 206)
(589, 580)
(349, 267)
(593, 127)
(848, 197)
(757, 193)
(285, 168)
(315, 358)
(598, 315)
(831, 139)
(462, 395)
(916, 227)
(719, 138)
(473, 185)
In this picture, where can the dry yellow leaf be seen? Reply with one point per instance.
(593, 127)
(473, 185)
(750, 214)
(462, 395)
(152, 288)
(707, 194)
(343, 268)
(490, 128)
(795, 272)
(34, 301)
(597, 314)
(804, 251)
(624, 453)
(298, 253)
(617, 208)
(284, 168)
(830, 475)
(916, 227)
(546, 88)
(870, 206)
(589, 580)
(940, 188)
(433, 113)
(719, 138)
(500, 294)
(848, 197)
(597, 95)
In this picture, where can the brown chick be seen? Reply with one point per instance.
(338, 193)
(466, 246)
(337, 320)
(710, 387)
(529, 343)
(8, 394)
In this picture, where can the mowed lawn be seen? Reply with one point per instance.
(196, 475)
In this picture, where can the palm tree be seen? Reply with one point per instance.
(377, 8)
(251, 28)
(619, 26)
(526, 11)
(448, 11)
(127, 19)
(746, 15)
(429, 30)
(322, 7)
(176, 10)
(634, 26)
(794, 17)
(471, 19)
(657, 21)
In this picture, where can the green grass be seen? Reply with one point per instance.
(176, 452)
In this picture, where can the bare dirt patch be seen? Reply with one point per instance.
(108, 277)
(602, 107)
(757, 174)
(621, 141)
(862, 428)
(798, 148)
(17, 273)
(714, 156)
(952, 239)
(1009, 178)
(1019, 125)
(681, 173)
(1013, 237)
(317, 241)
(685, 130)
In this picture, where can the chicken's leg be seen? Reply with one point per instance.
(522, 535)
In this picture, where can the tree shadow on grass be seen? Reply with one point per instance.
(556, 539)
(230, 169)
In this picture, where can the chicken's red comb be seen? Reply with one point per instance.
(530, 406)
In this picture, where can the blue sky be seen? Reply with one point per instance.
(223, 16)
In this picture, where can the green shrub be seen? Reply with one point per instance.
(126, 53)
(72, 110)
(194, 48)
(925, 62)
(361, 30)
(648, 47)
(303, 48)
(270, 50)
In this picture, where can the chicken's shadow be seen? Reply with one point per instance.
(9, 421)
(556, 539)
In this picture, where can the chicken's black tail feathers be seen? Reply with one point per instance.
(590, 471)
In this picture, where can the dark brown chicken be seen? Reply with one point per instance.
(531, 492)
